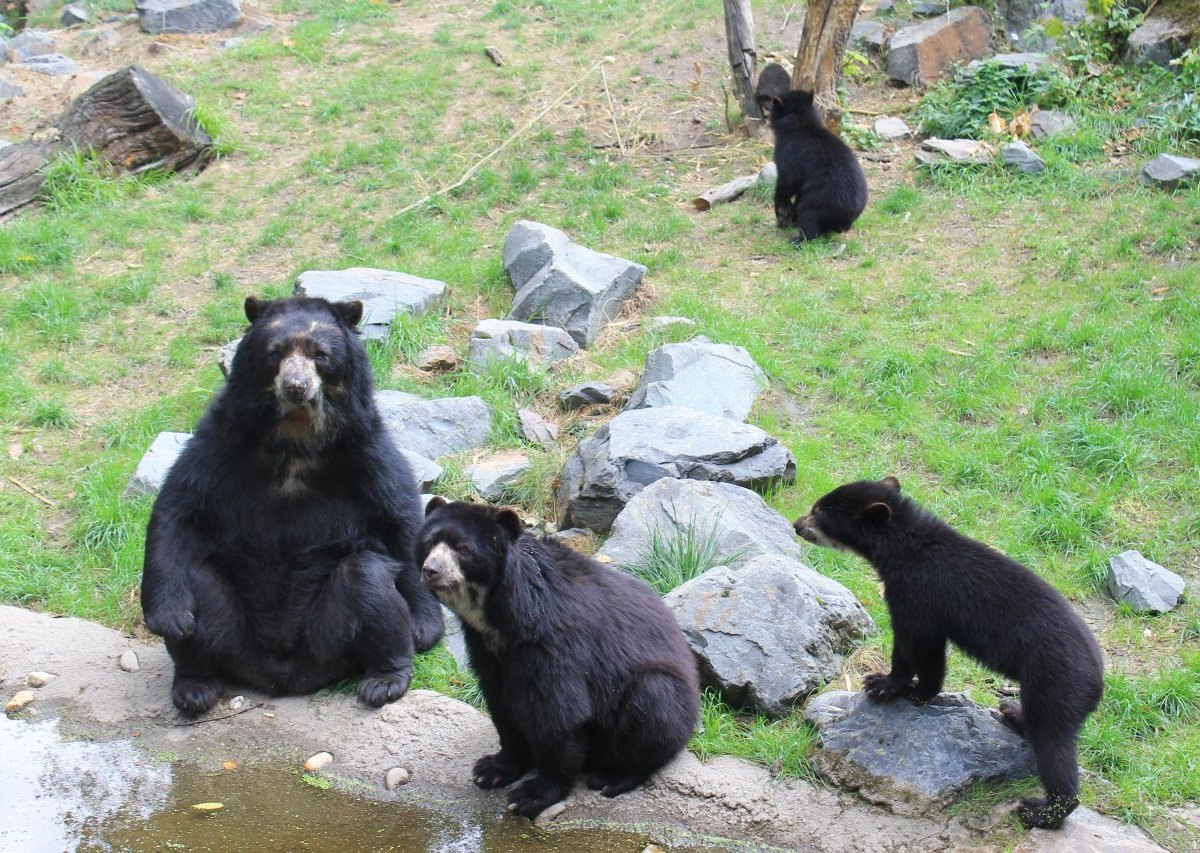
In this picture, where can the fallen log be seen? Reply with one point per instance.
(21, 168)
(725, 192)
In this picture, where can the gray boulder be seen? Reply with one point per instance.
(9, 89)
(914, 758)
(225, 356)
(30, 43)
(868, 36)
(889, 128)
(187, 16)
(717, 378)
(73, 16)
(536, 345)
(1031, 62)
(1020, 156)
(1144, 585)
(434, 428)
(54, 64)
(1017, 16)
(535, 428)
(563, 284)
(1169, 171)
(768, 173)
(769, 633)
(383, 293)
(1085, 831)
(919, 54)
(934, 151)
(1164, 35)
(156, 462)
(1045, 123)
(926, 9)
(737, 522)
(454, 640)
(426, 471)
(585, 394)
(492, 475)
(101, 43)
(638, 447)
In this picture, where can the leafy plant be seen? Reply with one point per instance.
(959, 109)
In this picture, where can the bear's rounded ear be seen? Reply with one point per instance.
(254, 307)
(892, 483)
(878, 513)
(350, 312)
(435, 503)
(510, 520)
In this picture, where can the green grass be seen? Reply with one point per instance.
(668, 559)
(1023, 352)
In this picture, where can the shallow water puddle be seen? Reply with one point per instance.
(65, 795)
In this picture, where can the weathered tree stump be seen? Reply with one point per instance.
(827, 26)
(743, 60)
(131, 119)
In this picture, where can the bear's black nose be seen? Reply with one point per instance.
(295, 391)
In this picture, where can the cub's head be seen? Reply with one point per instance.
(462, 549)
(792, 109)
(852, 517)
(305, 355)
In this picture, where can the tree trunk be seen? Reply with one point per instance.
(743, 60)
(818, 68)
(21, 173)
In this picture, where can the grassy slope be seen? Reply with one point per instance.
(1023, 353)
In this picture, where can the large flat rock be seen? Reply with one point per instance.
(433, 428)
(720, 379)
(919, 54)
(383, 293)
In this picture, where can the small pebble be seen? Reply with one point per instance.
(269, 715)
(19, 701)
(39, 679)
(396, 777)
(321, 759)
(208, 807)
(129, 661)
(237, 702)
(550, 813)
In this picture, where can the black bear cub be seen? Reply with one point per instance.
(279, 553)
(821, 187)
(939, 585)
(584, 669)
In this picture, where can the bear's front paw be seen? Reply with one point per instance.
(534, 796)
(378, 688)
(194, 696)
(493, 771)
(427, 629)
(785, 217)
(1013, 714)
(172, 623)
(882, 688)
(1035, 812)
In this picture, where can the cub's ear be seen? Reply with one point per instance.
(877, 513)
(254, 307)
(892, 483)
(508, 518)
(435, 503)
(350, 312)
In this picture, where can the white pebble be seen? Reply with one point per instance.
(550, 813)
(396, 777)
(129, 661)
(236, 703)
(321, 759)
(39, 679)
(19, 701)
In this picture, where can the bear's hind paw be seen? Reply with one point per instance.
(492, 771)
(881, 688)
(1035, 812)
(534, 796)
(195, 696)
(377, 689)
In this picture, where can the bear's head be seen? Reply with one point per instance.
(303, 357)
(793, 109)
(853, 517)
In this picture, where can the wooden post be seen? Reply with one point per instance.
(743, 60)
(818, 68)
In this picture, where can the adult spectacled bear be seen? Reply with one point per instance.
(279, 552)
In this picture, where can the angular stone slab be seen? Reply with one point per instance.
(535, 428)
(1045, 123)
(30, 43)
(156, 463)
(1159, 39)
(383, 293)
(426, 471)
(73, 16)
(737, 520)
(720, 379)
(187, 16)
(890, 128)
(913, 758)
(225, 356)
(868, 36)
(769, 633)
(434, 428)
(1169, 171)
(534, 344)
(9, 90)
(1143, 584)
(560, 283)
(585, 394)
(934, 151)
(1087, 832)
(493, 475)
(53, 64)
(918, 55)
(1020, 156)
(638, 447)
(1031, 62)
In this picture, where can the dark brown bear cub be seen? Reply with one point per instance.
(584, 669)
(821, 188)
(939, 585)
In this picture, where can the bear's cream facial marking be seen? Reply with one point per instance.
(807, 529)
(297, 381)
(442, 574)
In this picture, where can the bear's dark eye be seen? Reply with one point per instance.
(321, 355)
(463, 550)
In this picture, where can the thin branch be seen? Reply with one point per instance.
(30, 491)
(612, 111)
(218, 719)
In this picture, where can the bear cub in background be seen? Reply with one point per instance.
(939, 585)
(584, 669)
(279, 553)
(821, 187)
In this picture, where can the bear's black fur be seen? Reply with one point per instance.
(584, 669)
(279, 553)
(820, 187)
(939, 585)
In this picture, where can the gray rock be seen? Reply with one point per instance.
(574, 536)
(868, 36)
(1031, 62)
(230, 44)
(100, 44)
(717, 378)
(225, 356)
(737, 521)
(3, 48)
(1020, 156)
(537, 429)
(454, 640)
(383, 293)
(156, 462)
(888, 128)
(426, 471)
(1070, 12)
(29, 43)
(914, 758)
(395, 777)
(439, 359)
(643, 445)
(187, 16)
(928, 10)
(1087, 832)
(1169, 171)
(492, 476)
(532, 343)
(1144, 585)
(54, 64)
(129, 661)
(936, 151)
(885, 8)
(9, 90)
(563, 284)
(1017, 16)
(1159, 39)
(1045, 123)
(663, 322)
(768, 173)
(434, 428)
(585, 394)
(918, 55)
(769, 633)
(73, 16)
